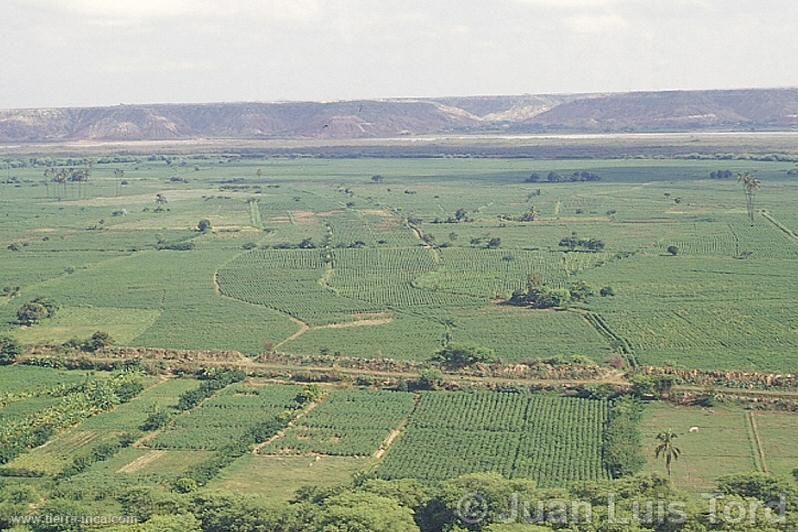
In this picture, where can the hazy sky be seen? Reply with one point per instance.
(99, 52)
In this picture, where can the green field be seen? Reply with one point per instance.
(550, 439)
(313, 259)
(724, 441)
(726, 301)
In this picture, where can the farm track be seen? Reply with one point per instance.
(436, 253)
(303, 328)
(312, 406)
(757, 441)
(395, 433)
(142, 461)
(786, 230)
(615, 378)
(616, 341)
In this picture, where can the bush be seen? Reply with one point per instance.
(622, 440)
(176, 246)
(429, 379)
(607, 291)
(97, 341)
(673, 250)
(462, 355)
(204, 225)
(185, 485)
(10, 349)
(157, 419)
(36, 310)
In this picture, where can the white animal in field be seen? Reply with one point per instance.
(693, 429)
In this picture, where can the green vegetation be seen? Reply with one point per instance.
(519, 314)
(177, 260)
(550, 439)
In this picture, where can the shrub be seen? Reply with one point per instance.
(157, 419)
(622, 440)
(607, 291)
(36, 310)
(429, 379)
(97, 341)
(185, 485)
(10, 349)
(204, 225)
(462, 355)
(673, 250)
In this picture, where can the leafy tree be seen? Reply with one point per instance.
(410, 493)
(532, 178)
(651, 386)
(185, 485)
(227, 513)
(607, 291)
(673, 250)
(377, 179)
(429, 379)
(463, 355)
(163, 523)
(622, 438)
(721, 174)
(763, 486)
(31, 313)
(156, 419)
(494, 243)
(59, 507)
(573, 242)
(580, 291)
(204, 225)
(667, 449)
(542, 297)
(492, 498)
(10, 349)
(97, 341)
(362, 512)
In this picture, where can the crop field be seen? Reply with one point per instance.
(317, 256)
(225, 417)
(405, 260)
(348, 423)
(553, 440)
(53, 457)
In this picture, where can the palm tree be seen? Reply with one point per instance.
(118, 174)
(751, 185)
(60, 178)
(667, 449)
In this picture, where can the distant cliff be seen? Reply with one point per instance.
(638, 111)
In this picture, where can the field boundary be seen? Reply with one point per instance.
(757, 442)
(280, 433)
(395, 433)
(617, 342)
(786, 230)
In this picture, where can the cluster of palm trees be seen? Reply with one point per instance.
(61, 176)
